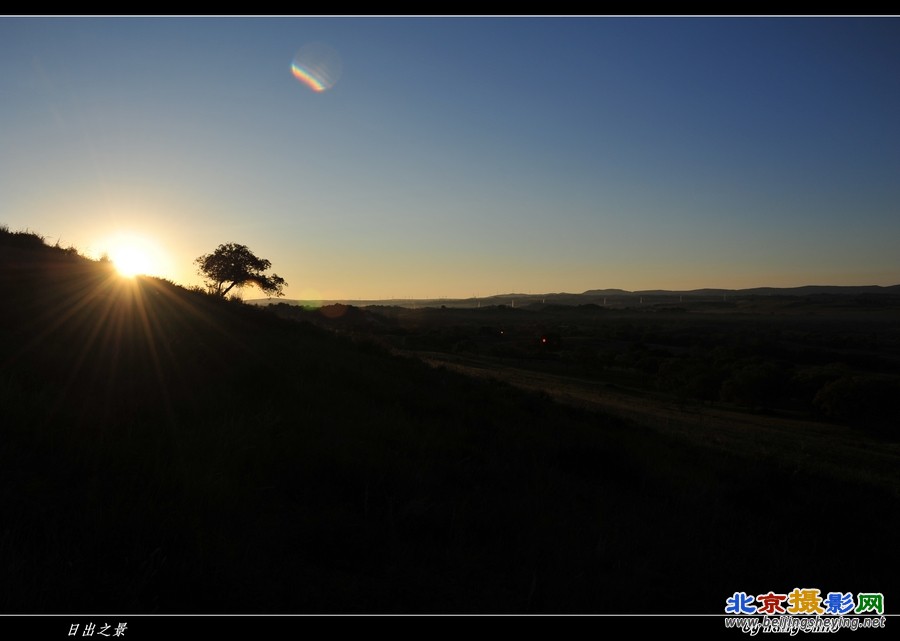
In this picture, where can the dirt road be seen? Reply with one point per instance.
(802, 445)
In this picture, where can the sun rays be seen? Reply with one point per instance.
(128, 344)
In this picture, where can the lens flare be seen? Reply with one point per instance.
(317, 65)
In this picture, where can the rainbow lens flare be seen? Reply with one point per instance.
(317, 65)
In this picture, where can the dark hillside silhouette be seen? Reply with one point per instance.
(165, 450)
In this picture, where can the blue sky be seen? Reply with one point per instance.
(461, 156)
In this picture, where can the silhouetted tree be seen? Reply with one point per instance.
(233, 265)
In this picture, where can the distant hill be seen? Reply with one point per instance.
(599, 296)
(807, 290)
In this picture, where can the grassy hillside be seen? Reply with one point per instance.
(165, 451)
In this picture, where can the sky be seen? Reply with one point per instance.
(455, 157)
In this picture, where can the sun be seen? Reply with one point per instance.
(131, 261)
(133, 256)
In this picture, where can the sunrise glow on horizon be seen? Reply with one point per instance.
(414, 158)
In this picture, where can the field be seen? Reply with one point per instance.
(783, 378)
(775, 415)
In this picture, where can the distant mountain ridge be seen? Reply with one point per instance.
(805, 290)
(598, 296)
